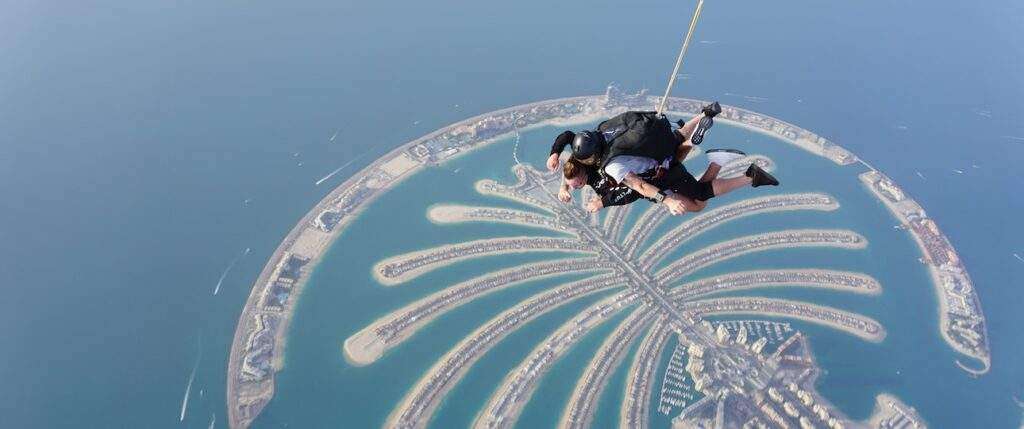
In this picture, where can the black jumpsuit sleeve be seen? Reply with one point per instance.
(619, 196)
(562, 141)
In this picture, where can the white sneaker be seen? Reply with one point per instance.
(724, 156)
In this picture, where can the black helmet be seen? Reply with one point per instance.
(587, 144)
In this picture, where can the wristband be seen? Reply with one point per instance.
(660, 197)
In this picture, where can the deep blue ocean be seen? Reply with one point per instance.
(145, 147)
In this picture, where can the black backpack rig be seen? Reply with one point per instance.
(645, 134)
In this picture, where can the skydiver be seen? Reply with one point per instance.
(589, 146)
(676, 188)
(667, 181)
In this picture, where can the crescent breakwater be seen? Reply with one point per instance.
(259, 342)
(962, 323)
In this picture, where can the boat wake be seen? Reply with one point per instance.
(227, 270)
(191, 378)
(338, 170)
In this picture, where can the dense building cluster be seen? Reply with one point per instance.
(513, 394)
(785, 399)
(890, 413)
(495, 214)
(470, 349)
(638, 390)
(256, 365)
(799, 136)
(677, 388)
(847, 321)
(328, 219)
(421, 260)
(728, 249)
(580, 410)
(258, 359)
(704, 221)
(442, 145)
(963, 323)
(462, 293)
(738, 280)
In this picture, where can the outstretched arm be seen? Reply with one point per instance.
(675, 203)
(640, 186)
(564, 193)
(557, 147)
(552, 162)
(616, 196)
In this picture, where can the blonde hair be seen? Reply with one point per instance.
(573, 168)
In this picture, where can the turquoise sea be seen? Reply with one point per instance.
(144, 146)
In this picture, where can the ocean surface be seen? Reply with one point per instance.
(145, 147)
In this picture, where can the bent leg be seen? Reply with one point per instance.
(711, 173)
(691, 204)
(683, 150)
(724, 186)
(686, 131)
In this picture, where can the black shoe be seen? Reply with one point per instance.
(702, 128)
(760, 177)
(712, 109)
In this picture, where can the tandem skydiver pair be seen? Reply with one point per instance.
(638, 155)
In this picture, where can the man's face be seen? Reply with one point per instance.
(576, 182)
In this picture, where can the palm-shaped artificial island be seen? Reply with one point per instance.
(735, 372)
(658, 301)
